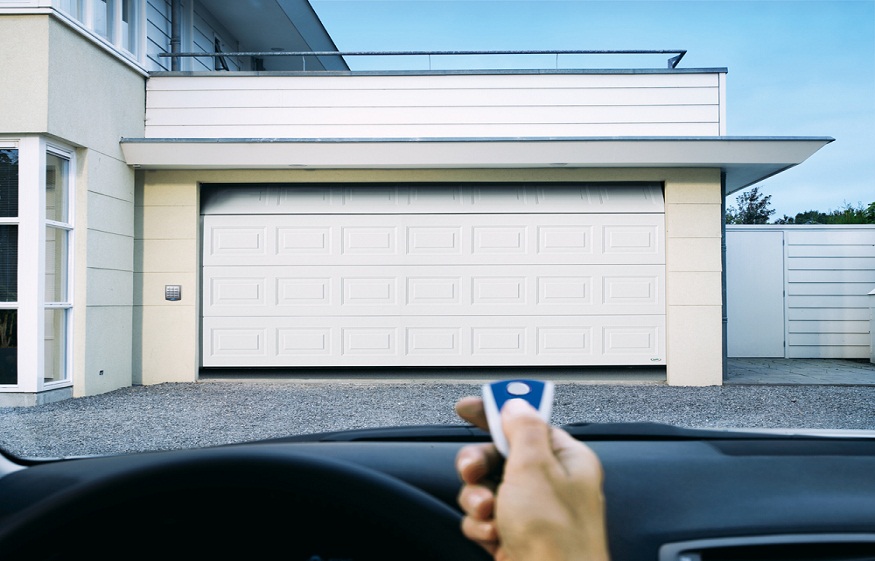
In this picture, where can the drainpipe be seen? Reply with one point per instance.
(175, 26)
(872, 327)
(723, 270)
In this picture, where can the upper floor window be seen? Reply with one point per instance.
(117, 21)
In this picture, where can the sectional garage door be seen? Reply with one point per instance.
(433, 275)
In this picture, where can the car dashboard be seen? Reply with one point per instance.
(671, 495)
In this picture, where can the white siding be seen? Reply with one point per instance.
(157, 34)
(368, 106)
(201, 35)
(828, 272)
(206, 30)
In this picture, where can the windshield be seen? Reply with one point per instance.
(173, 416)
(349, 215)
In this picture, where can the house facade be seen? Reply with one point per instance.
(163, 216)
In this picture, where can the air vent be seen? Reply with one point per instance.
(795, 547)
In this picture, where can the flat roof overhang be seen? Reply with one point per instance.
(745, 160)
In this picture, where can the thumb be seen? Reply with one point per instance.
(527, 434)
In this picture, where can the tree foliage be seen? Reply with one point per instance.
(848, 214)
(753, 208)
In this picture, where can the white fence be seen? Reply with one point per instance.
(799, 291)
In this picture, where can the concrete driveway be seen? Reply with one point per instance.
(799, 371)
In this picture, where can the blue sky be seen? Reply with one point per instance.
(796, 67)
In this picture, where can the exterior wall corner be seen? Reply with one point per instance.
(694, 283)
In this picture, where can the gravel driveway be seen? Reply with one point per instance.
(169, 416)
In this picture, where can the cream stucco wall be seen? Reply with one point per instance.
(694, 294)
(89, 114)
(59, 84)
(167, 334)
(24, 67)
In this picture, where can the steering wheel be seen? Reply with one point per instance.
(232, 501)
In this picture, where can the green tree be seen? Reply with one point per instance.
(753, 208)
(807, 217)
(848, 214)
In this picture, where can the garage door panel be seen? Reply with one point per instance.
(433, 275)
(435, 341)
(575, 240)
(432, 198)
(424, 240)
(628, 239)
(236, 343)
(370, 241)
(301, 242)
(434, 241)
(240, 242)
(302, 341)
(433, 290)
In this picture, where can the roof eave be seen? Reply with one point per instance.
(744, 160)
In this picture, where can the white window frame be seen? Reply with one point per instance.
(32, 223)
(67, 305)
(13, 144)
(113, 36)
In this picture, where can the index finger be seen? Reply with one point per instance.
(476, 463)
(471, 409)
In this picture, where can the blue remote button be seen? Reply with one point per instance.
(531, 391)
(518, 388)
(537, 393)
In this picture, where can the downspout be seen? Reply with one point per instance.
(725, 313)
(175, 39)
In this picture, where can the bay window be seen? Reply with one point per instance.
(36, 231)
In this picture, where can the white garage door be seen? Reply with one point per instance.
(433, 275)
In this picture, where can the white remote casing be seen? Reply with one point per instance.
(537, 393)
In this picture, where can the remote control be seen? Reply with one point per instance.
(538, 393)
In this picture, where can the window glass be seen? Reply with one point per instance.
(8, 183)
(8, 266)
(8, 232)
(55, 345)
(56, 264)
(72, 7)
(56, 188)
(8, 263)
(102, 22)
(129, 25)
(8, 346)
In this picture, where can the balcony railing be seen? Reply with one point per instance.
(672, 62)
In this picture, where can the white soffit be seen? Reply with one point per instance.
(745, 160)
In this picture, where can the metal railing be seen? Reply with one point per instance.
(672, 62)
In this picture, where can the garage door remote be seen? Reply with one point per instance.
(538, 394)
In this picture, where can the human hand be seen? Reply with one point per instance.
(548, 503)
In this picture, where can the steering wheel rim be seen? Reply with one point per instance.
(364, 494)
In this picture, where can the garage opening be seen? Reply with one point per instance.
(484, 274)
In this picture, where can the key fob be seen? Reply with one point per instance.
(538, 393)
